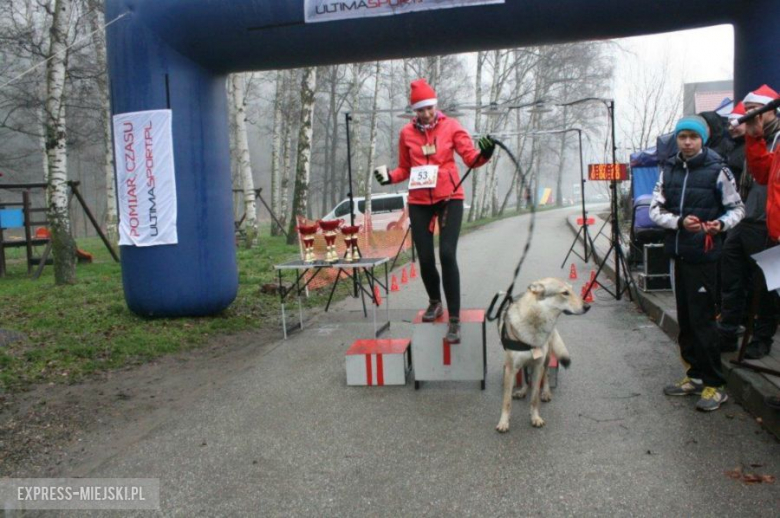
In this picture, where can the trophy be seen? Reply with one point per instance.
(329, 231)
(307, 236)
(350, 238)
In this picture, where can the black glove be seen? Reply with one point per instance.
(486, 146)
(381, 175)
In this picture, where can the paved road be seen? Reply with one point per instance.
(288, 437)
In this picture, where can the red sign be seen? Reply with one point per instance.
(608, 172)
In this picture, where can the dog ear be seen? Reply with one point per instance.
(537, 288)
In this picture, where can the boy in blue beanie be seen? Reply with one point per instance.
(696, 199)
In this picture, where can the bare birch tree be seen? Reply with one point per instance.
(276, 173)
(244, 163)
(371, 147)
(63, 246)
(303, 161)
(98, 38)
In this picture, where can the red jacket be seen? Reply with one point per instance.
(764, 165)
(449, 137)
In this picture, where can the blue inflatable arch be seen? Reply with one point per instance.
(176, 54)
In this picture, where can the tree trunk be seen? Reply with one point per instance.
(276, 204)
(244, 162)
(476, 184)
(63, 246)
(355, 126)
(303, 162)
(371, 149)
(96, 24)
(488, 183)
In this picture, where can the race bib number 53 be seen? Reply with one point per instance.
(423, 177)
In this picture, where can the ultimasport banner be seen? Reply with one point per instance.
(146, 178)
(332, 10)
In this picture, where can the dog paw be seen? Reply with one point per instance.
(503, 426)
(566, 361)
(546, 396)
(520, 393)
(537, 422)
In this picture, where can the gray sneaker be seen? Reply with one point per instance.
(686, 387)
(453, 332)
(434, 311)
(711, 399)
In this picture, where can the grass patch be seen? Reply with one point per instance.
(70, 332)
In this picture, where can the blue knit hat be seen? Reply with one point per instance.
(694, 123)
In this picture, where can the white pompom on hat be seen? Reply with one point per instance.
(422, 95)
(762, 95)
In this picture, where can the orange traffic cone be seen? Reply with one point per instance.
(573, 272)
(412, 272)
(404, 278)
(593, 280)
(587, 294)
(394, 284)
(377, 295)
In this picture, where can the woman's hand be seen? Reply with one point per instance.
(381, 175)
(486, 146)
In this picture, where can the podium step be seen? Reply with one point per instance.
(378, 362)
(435, 359)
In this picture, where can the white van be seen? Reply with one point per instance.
(386, 210)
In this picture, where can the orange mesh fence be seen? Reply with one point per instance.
(383, 237)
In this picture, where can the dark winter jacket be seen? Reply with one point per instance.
(701, 186)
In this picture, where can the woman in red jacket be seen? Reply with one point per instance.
(426, 159)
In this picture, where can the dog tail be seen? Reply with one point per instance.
(559, 349)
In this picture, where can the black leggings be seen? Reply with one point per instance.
(420, 217)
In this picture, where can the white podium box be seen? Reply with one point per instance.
(378, 362)
(435, 359)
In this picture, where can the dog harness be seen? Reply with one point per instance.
(512, 344)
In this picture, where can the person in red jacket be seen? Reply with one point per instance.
(763, 162)
(762, 156)
(426, 160)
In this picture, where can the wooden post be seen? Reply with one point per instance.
(27, 229)
(74, 188)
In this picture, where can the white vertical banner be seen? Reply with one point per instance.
(146, 178)
(332, 10)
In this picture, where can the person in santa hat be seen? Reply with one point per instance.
(740, 275)
(426, 161)
(763, 163)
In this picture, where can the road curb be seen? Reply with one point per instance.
(747, 387)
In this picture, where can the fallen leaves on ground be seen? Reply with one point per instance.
(750, 478)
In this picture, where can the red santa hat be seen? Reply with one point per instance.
(738, 111)
(762, 95)
(422, 95)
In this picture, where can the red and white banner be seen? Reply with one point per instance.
(333, 10)
(146, 178)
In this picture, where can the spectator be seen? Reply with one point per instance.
(736, 157)
(719, 140)
(740, 275)
(763, 163)
(696, 199)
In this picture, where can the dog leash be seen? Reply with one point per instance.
(508, 296)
